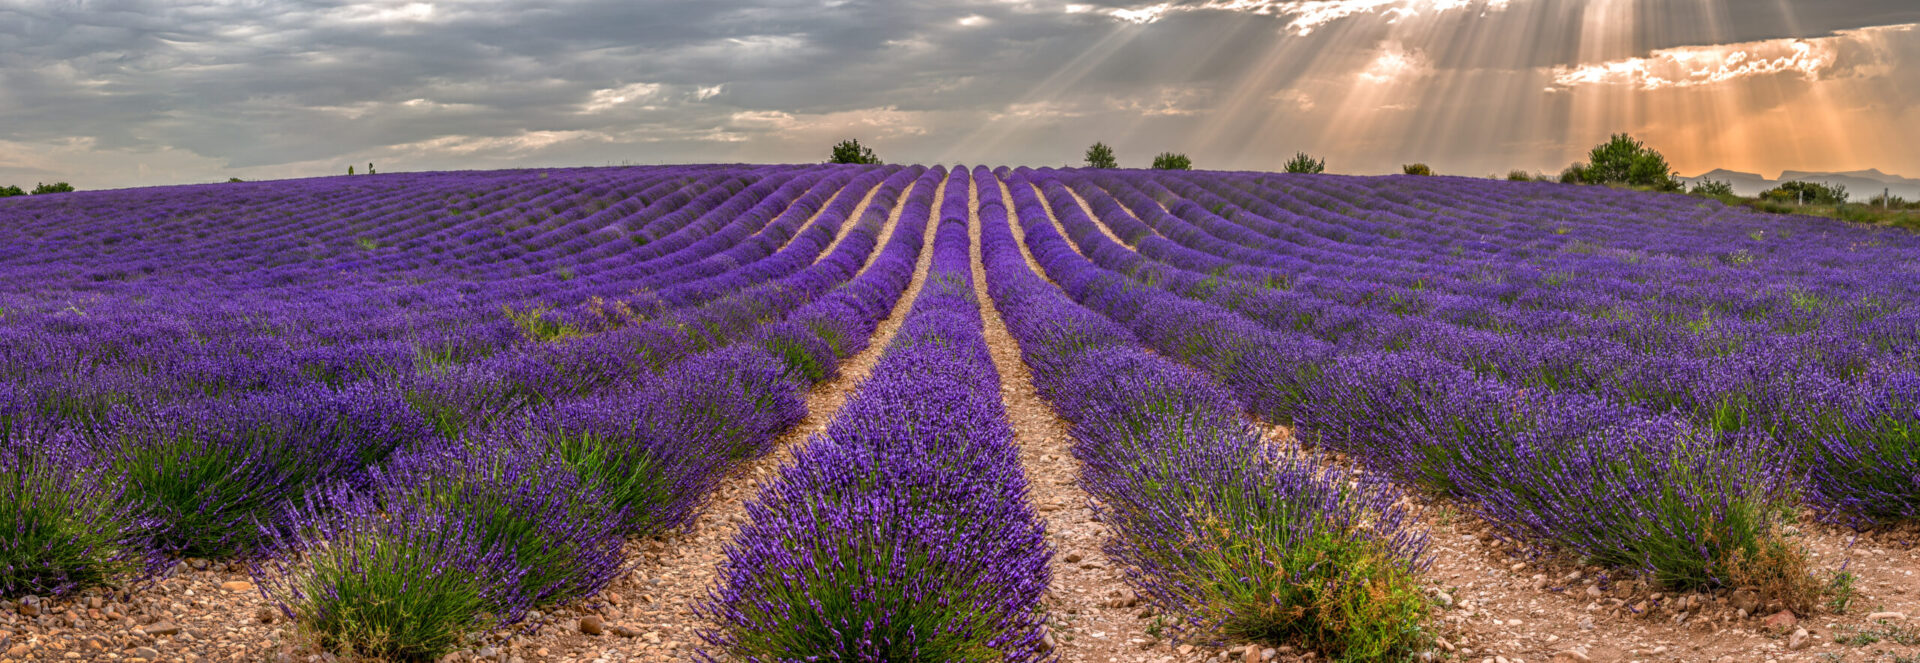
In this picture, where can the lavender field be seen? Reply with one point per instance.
(776, 413)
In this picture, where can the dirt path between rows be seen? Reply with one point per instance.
(1092, 610)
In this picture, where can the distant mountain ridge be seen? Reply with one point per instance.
(1861, 184)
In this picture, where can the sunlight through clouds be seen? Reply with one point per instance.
(1691, 66)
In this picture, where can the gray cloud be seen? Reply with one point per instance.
(135, 92)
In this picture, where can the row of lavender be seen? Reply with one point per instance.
(1831, 379)
(1627, 483)
(1228, 532)
(354, 490)
(903, 532)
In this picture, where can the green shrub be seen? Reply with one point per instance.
(851, 151)
(7, 191)
(1305, 163)
(1171, 161)
(1623, 160)
(1518, 176)
(1807, 193)
(1416, 169)
(1101, 156)
(56, 187)
(1712, 189)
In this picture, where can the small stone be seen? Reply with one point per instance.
(266, 615)
(1443, 599)
(1886, 615)
(20, 650)
(1186, 649)
(1268, 654)
(237, 586)
(1594, 591)
(95, 602)
(1073, 558)
(1745, 599)
(162, 628)
(1046, 642)
(1518, 567)
(145, 652)
(591, 625)
(29, 609)
(1251, 654)
(1799, 640)
(625, 631)
(1572, 656)
(1781, 621)
(1443, 644)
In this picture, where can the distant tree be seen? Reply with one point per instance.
(1518, 175)
(369, 167)
(1712, 188)
(1171, 161)
(56, 187)
(1623, 160)
(851, 151)
(234, 179)
(1305, 163)
(1101, 156)
(1807, 193)
(1416, 169)
(349, 170)
(11, 191)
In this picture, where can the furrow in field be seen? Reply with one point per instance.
(853, 218)
(1092, 608)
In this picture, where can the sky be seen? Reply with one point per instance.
(126, 93)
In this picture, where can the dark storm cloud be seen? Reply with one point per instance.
(288, 88)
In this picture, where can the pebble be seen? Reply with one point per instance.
(237, 586)
(625, 631)
(591, 625)
(1799, 640)
(1781, 621)
(266, 615)
(145, 652)
(162, 628)
(1073, 557)
(1887, 615)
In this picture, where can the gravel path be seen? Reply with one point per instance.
(1093, 613)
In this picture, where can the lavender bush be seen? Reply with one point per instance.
(63, 526)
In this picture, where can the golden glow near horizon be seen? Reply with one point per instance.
(1415, 79)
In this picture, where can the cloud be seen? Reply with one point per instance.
(1304, 16)
(1850, 53)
